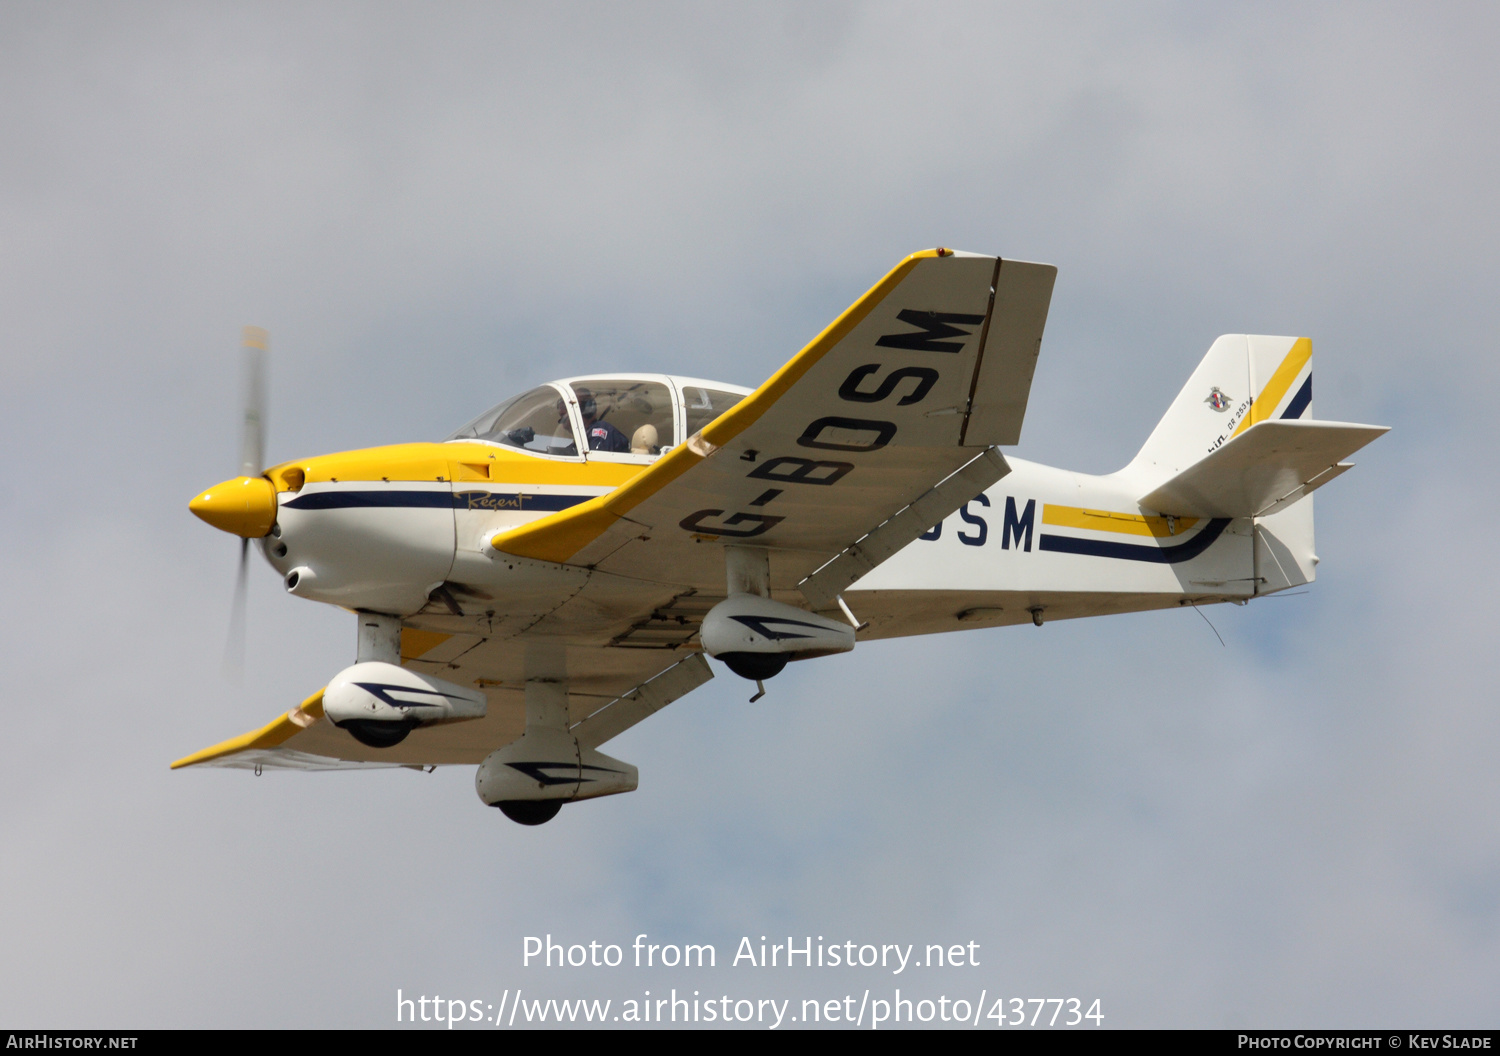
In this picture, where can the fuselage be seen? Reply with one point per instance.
(406, 529)
(1043, 543)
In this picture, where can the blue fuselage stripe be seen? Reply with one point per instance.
(341, 500)
(435, 500)
(1162, 555)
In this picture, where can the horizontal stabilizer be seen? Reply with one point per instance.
(1266, 468)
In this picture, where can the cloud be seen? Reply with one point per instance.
(434, 210)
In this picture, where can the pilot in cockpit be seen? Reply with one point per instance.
(602, 435)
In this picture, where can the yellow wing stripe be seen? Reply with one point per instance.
(561, 535)
(270, 735)
(1271, 396)
(748, 411)
(1108, 521)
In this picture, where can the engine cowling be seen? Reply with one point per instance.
(379, 703)
(757, 636)
(529, 778)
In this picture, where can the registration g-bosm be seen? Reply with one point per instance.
(562, 567)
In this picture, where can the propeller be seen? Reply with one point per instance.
(234, 644)
(255, 346)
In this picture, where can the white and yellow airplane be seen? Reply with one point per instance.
(556, 570)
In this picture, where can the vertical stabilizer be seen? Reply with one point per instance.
(1242, 380)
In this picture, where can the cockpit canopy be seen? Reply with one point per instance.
(635, 417)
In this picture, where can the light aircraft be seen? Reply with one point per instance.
(558, 569)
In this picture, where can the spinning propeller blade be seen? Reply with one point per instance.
(234, 645)
(254, 355)
(254, 351)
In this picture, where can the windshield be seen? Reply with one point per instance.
(534, 421)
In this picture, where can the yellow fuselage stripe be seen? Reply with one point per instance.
(416, 643)
(1109, 521)
(457, 462)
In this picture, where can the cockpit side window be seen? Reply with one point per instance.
(625, 415)
(704, 405)
(534, 421)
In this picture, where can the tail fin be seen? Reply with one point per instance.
(1206, 458)
(1242, 380)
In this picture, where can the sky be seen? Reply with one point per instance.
(434, 207)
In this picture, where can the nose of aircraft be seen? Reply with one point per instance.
(243, 506)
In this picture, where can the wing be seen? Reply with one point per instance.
(901, 391)
(610, 690)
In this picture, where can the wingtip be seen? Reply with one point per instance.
(278, 730)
